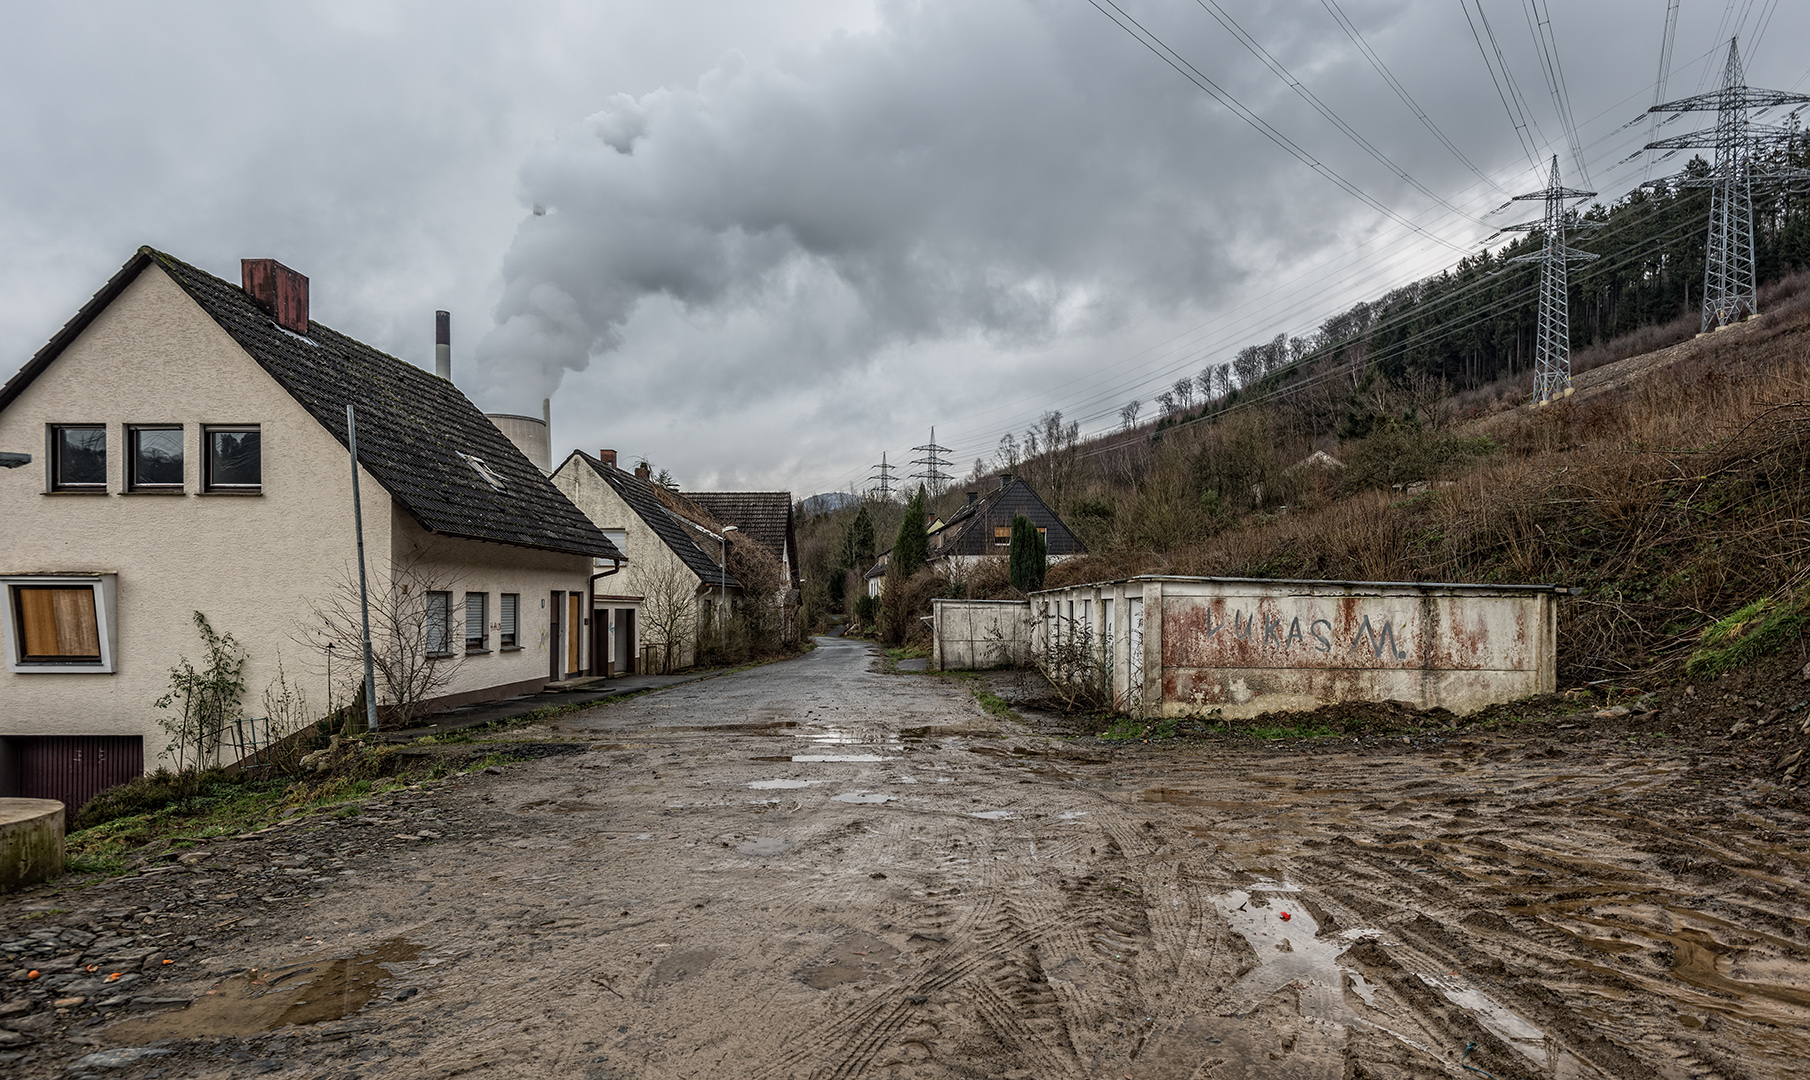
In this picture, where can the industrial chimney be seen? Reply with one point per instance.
(443, 345)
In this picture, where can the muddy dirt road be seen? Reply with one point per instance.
(815, 869)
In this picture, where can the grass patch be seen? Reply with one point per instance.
(908, 652)
(994, 704)
(1752, 633)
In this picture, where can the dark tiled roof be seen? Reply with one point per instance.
(763, 516)
(968, 531)
(412, 426)
(673, 517)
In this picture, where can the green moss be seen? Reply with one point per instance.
(994, 704)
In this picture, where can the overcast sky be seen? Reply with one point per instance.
(762, 243)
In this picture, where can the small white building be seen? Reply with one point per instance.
(194, 458)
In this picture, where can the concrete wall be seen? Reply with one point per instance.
(1179, 646)
(973, 634)
(31, 842)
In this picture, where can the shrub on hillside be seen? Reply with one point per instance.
(157, 791)
(1403, 454)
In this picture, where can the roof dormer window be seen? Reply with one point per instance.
(484, 472)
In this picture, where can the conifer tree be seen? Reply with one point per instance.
(1026, 557)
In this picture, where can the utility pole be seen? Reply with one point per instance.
(882, 485)
(1729, 283)
(1552, 340)
(364, 596)
(935, 475)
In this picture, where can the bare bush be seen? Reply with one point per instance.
(417, 645)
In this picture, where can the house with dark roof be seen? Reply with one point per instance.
(981, 528)
(195, 458)
(674, 583)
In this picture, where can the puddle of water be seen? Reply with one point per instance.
(994, 815)
(1528, 1041)
(862, 797)
(1071, 815)
(783, 785)
(764, 845)
(838, 757)
(305, 992)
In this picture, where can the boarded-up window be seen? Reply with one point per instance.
(56, 623)
(511, 605)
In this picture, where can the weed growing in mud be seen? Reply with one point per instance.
(994, 704)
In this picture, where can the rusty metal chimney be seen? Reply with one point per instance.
(282, 291)
(443, 345)
(608, 457)
(546, 419)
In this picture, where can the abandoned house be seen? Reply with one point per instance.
(195, 459)
(981, 528)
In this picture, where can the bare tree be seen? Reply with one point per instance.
(1166, 401)
(1224, 376)
(1184, 392)
(1128, 415)
(669, 610)
(417, 633)
(1204, 382)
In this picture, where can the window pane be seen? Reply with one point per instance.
(234, 459)
(157, 456)
(57, 623)
(81, 454)
(439, 608)
(474, 620)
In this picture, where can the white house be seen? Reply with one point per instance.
(674, 579)
(194, 458)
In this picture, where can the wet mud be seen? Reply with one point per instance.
(915, 889)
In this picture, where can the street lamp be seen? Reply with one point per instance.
(723, 580)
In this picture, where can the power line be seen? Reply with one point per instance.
(1194, 75)
(882, 483)
(1539, 22)
(935, 475)
(1552, 342)
(1357, 38)
(1730, 284)
(1665, 70)
(1231, 25)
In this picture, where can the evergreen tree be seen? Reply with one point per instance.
(1025, 557)
(911, 549)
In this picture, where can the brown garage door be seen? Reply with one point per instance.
(75, 768)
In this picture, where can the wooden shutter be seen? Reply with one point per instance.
(58, 623)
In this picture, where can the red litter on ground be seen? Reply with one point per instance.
(1285, 916)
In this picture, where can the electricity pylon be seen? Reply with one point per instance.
(934, 476)
(1729, 284)
(882, 480)
(1552, 341)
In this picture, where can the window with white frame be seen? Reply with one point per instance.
(509, 614)
(57, 624)
(439, 623)
(476, 620)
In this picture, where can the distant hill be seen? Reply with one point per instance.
(827, 502)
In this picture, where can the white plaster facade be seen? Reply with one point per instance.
(254, 564)
(652, 569)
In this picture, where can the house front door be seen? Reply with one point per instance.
(574, 633)
(555, 647)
